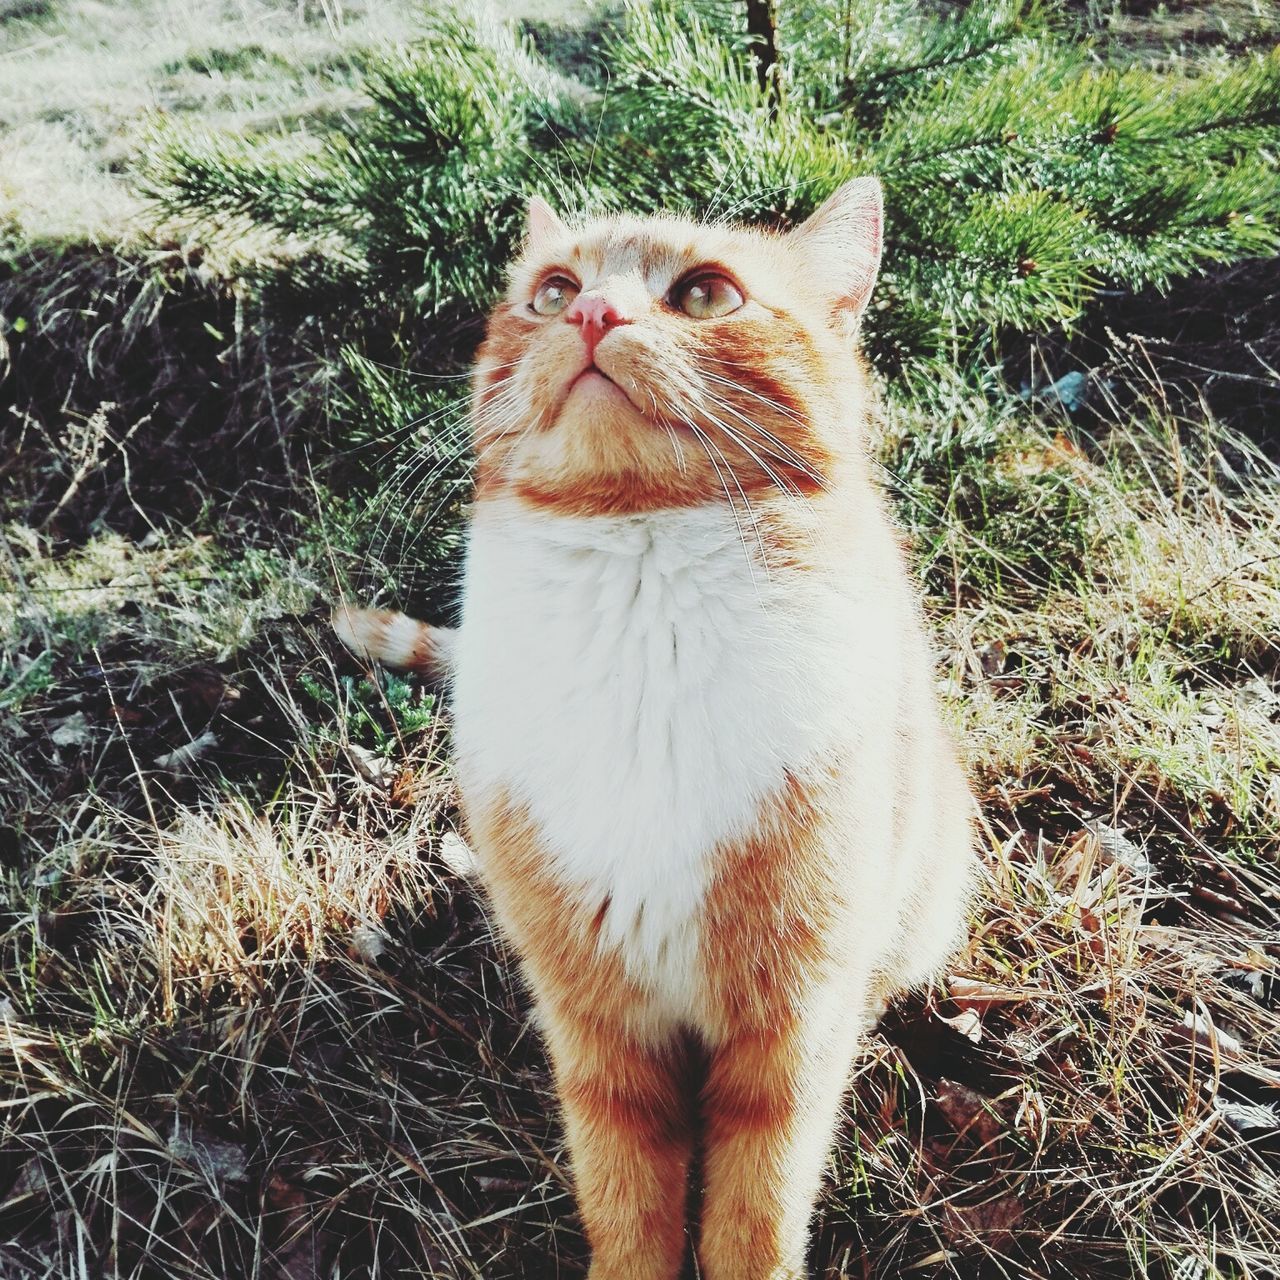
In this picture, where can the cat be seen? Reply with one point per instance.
(699, 755)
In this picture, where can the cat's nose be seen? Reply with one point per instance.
(597, 315)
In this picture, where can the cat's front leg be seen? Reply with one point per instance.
(770, 1108)
(629, 1117)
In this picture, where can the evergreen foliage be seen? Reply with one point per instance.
(1023, 175)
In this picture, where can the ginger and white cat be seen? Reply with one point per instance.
(697, 743)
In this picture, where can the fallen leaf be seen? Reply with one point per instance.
(405, 791)
(1199, 1029)
(966, 1023)
(369, 942)
(180, 757)
(376, 770)
(1246, 1117)
(74, 731)
(968, 1112)
(992, 657)
(304, 1249)
(1032, 1118)
(209, 689)
(992, 1221)
(968, 993)
(1116, 849)
(456, 855)
(221, 1160)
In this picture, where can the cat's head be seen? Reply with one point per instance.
(642, 363)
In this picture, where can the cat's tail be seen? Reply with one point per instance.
(395, 639)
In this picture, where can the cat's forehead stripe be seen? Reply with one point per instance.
(622, 248)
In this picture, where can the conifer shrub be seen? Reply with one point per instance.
(1023, 176)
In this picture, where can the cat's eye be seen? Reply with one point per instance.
(707, 297)
(553, 295)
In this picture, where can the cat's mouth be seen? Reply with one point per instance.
(592, 371)
(593, 375)
(593, 381)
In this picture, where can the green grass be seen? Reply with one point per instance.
(253, 1019)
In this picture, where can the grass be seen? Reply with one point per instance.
(253, 1018)
(85, 83)
(257, 1023)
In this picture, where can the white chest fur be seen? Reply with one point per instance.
(641, 686)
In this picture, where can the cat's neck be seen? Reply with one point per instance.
(774, 528)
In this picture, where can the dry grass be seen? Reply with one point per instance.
(257, 1025)
(85, 82)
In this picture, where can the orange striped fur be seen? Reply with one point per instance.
(380, 635)
(697, 744)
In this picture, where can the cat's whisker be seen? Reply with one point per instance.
(783, 483)
(512, 422)
(394, 518)
(465, 376)
(595, 141)
(412, 481)
(481, 455)
(502, 416)
(730, 211)
(556, 178)
(407, 428)
(406, 475)
(425, 455)
(712, 450)
(708, 412)
(788, 487)
(416, 527)
(780, 450)
(707, 368)
(676, 448)
(460, 407)
(813, 532)
(785, 452)
(727, 181)
(580, 183)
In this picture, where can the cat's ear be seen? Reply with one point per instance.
(842, 241)
(542, 226)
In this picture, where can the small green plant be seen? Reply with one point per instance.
(999, 508)
(23, 677)
(383, 713)
(247, 59)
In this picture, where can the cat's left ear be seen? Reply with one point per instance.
(842, 241)
(542, 225)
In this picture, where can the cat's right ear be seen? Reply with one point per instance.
(542, 226)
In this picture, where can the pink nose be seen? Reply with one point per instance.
(596, 315)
